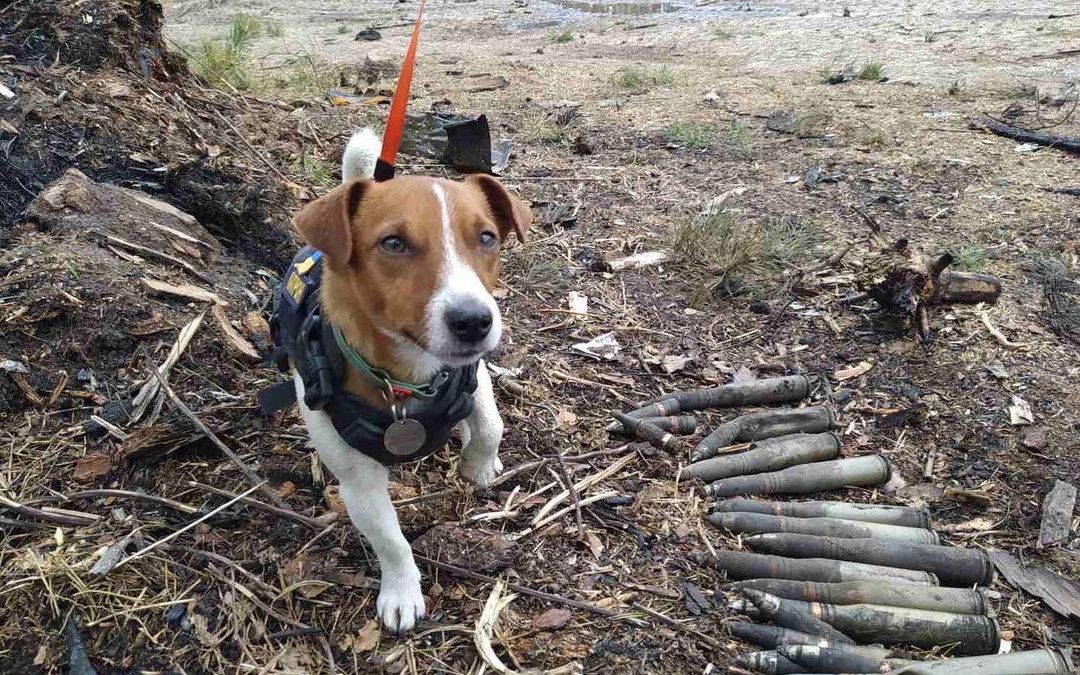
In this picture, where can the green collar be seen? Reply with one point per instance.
(392, 387)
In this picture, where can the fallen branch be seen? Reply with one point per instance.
(283, 512)
(1065, 143)
(153, 384)
(998, 335)
(56, 516)
(248, 472)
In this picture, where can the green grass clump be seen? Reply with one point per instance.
(225, 62)
(641, 78)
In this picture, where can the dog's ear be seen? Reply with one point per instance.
(326, 223)
(510, 213)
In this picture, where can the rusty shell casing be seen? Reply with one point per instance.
(953, 566)
(869, 513)
(827, 660)
(745, 565)
(663, 407)
(967, 287)
(934, 598)
(790, 614)
(770, 454)
(770, 390)
(768, 662)
(867, 470)
(680, 425)
(971, 633)
(758, 523)
(768, 636)
(1033, 662)
(766, 424)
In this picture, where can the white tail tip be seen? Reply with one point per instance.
(360, 155)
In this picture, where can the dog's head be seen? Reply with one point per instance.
(416, 259)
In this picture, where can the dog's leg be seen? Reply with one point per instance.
(480, 454)
(367, 499)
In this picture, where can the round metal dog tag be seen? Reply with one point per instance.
(404, 437)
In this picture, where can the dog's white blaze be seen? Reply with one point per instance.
(458, 282)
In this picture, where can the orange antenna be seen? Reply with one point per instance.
(395, 125)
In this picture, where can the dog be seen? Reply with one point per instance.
(408, 266)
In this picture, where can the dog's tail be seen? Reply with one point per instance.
(360, 155)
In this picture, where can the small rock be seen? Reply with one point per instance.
(368, 35)
(552, 619)
(1034, 438)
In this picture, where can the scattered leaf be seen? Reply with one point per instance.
(601, 348)
(594, 544)
(552, 619)
(1034, 438)
(566, 418)
(673, 363)
(743, 374)
(578, 303)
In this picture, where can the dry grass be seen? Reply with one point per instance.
(638, 78)
(727, 252)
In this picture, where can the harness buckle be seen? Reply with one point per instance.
(320, 389)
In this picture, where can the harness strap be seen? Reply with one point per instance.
(395, 125)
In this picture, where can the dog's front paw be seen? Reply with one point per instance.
(401, 603)
(481, 474)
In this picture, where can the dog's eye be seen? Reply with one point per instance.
(488, 240)
(394, 244)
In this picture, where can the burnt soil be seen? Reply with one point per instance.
(253, 591)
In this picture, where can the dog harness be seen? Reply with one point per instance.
(420, 416)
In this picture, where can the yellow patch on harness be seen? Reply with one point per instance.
(305, 265)
(294, 286)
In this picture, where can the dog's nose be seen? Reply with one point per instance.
(470, 322)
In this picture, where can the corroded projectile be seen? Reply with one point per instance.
(870, 513)
(867, 470)
(770, 390)
(768, 662)
(758, 523)
(934, 598)
(745, 565)
(827, 660)
(788, 614)
(765, 424)
(1033, 662)
(681, 425)
(971, 633)
(771, 454)
(953, 566)
(768, 636)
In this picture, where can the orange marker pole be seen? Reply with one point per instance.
(395, 125)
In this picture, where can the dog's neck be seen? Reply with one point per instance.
(402, 361)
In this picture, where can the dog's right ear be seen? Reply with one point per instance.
(326, 223)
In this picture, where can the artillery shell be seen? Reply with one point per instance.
(826, 527)
(656, 436)
(967, 287)
(787, 614)
(665, 407)
(957, 600)
(768, 636)
(765, 424)
(681, 425)
(953, 566)
(870, 513)
(744, 565)
(770, 390)
(768, 455)
(867, 470)
(972, 634)
(825, 660)
(1033, 662)
(768, 662)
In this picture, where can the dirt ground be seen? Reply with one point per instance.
(251, 591)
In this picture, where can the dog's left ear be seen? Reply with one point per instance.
(509, 212)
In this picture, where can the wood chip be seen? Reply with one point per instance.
(1057, 514)
(26, 388)
(853, 372)
(237, 341)
(556, 617)
(92, 467)
(184, 290)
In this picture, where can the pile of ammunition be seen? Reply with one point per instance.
(783, 451)
(816, 574)
(840, 583)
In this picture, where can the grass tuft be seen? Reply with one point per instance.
(691, 135)
(561, 36)
(225, 62)
(642, 78)
(726, 253)
(971, 259)
(872, 71)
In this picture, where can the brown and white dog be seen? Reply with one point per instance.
(410, 265)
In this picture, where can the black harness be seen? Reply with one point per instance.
(307, 344)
